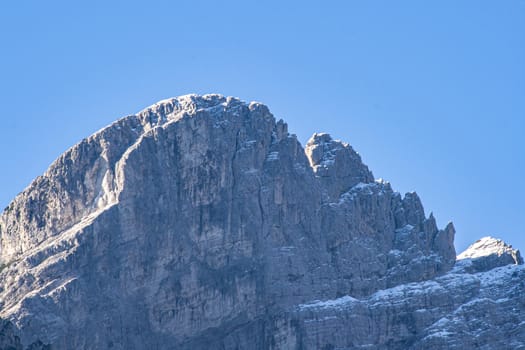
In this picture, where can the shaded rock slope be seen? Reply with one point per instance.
(201, 223)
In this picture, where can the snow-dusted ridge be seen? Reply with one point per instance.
(487, 280)
(456, 308)
(486, 246)
(485, 254)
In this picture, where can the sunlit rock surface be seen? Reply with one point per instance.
(201, 223)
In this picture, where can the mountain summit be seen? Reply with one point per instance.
(201, 223)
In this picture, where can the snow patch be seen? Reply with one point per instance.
(329, 304)
(273, 156)
(484, 247)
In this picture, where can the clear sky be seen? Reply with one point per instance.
(431, 93)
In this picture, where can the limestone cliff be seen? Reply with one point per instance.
(201, 223)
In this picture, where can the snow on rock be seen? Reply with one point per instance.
(486, 246)
(486, 254)
(453, 311)
(273, 156)
(329, 304)
(336, 164)
(201, 223)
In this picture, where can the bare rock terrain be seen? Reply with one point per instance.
(202, 223)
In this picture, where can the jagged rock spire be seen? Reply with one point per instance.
(336, 164)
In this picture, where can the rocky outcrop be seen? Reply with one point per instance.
(488, 253)
(458, 310)
(202, 223)
(336, 165)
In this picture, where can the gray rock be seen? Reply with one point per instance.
(201, 223)
(487, 253)
(9, 339)
(336, 165)
(454, 311)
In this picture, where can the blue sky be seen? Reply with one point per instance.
(432, 94)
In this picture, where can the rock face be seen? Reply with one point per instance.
(201, 223)
(488, 253)
(458, 310)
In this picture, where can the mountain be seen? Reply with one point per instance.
(201, 223)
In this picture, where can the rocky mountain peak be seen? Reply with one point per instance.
(201, 223)
(337, 165)
(488, 253)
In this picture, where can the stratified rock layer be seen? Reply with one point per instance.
(201, 223)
